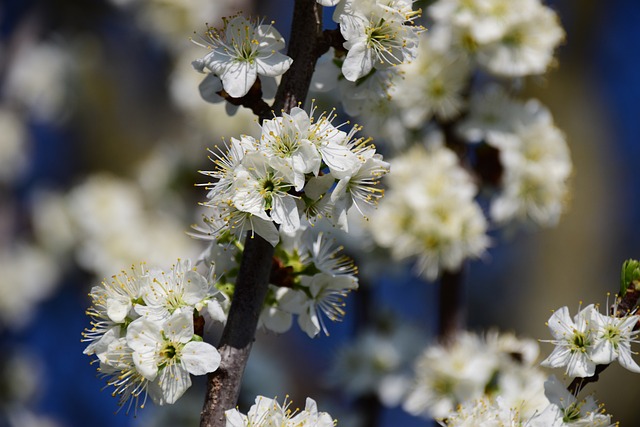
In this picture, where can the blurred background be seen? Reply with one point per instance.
(102, 132)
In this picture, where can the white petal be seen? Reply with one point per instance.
(558, 358)
(285, 213)
(117, 309)
(196, 287)
(625, 359)
(179, 327)
(266, 229)
(143, 335)
(309, 322)
(169, 385)
(209, 88)
(200, 357)
(238, 78)
(603, 352)
(145, 365)
(275, 64)
(276, 320)
(236, 419)
(358, 62)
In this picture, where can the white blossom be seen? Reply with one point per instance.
(268, 412)
(376, 34)
(573, 340)
(429, 212)
(166, 353)
(241, 51)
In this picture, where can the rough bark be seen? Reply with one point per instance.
(223, 385)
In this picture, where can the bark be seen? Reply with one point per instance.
(223, 385)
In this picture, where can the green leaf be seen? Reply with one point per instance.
(630, 275)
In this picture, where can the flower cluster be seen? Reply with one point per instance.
(142, 332)
(494, 382)
(429, 212)
(589, 339)
(378, 34)
(377, 362)
(301, 167)
(268, 412)
(533, 154)
(105, 222)
(507, 38)
(471, 367)
(309, 279)
(239, 52)
(561, 409)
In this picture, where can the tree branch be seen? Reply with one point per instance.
(223, 385)
(452, 306)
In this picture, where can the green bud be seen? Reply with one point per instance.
(630, 275)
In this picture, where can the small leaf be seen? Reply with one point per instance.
(630, 275)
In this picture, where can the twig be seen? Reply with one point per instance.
(223, 385)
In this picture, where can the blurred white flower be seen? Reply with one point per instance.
(377, 362)
(433, 85)
(106, 221)
(429, 212)
(537, 165)
(28, 277)
(42, 93)
(448, 376)
(471, 370)
(13, 146)
(512, 38)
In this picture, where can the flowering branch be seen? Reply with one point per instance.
(223, 386)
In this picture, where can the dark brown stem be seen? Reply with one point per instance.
(223, 385)
(252, 100)
(578, 383)
(452, 315)
(306, 34)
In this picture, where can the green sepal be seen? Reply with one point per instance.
(630, 275)
(196, 338)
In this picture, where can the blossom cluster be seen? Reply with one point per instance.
(590, 339)
(105, 222)
(142, 332)
(494, 381)
(377, 361)
(471, 366)
(301, 168)
(562, 409)
(429, 211)
(378, 34)
(533, 154)
(269, 412)
(507, 38)
(309, 279)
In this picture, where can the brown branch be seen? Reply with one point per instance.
(306, 33)
(578, 383)
(223, 385)
(452, 307)
(252, 100)
(331, 39)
